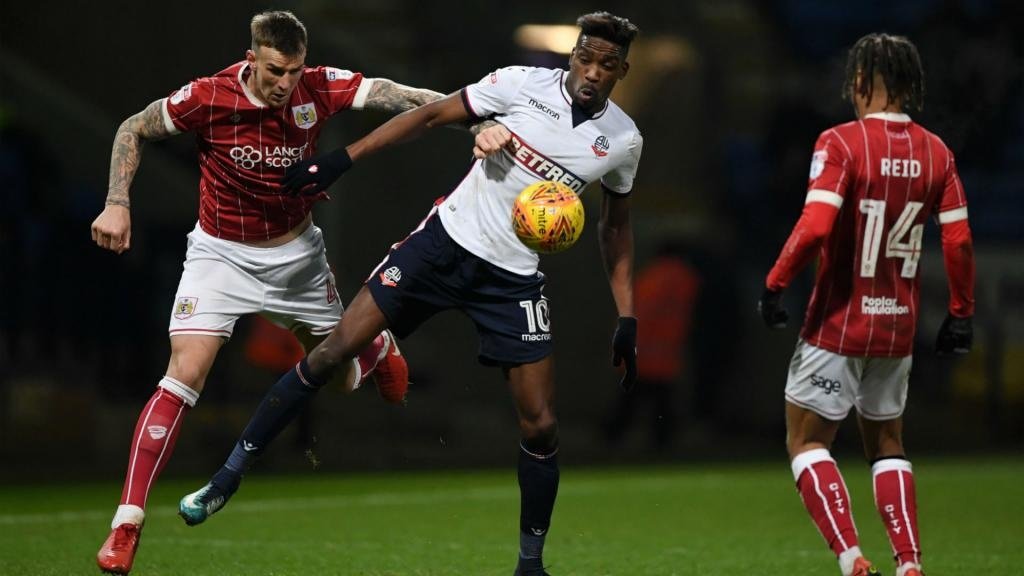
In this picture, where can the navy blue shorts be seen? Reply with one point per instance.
(429, 272)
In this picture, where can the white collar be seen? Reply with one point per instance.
(245, 87)
(890, 116)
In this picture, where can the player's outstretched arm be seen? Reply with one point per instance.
(410, 125)
(112, 228)
(314, 175)
(394, 98)
(615, 237)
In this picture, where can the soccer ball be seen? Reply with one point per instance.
(547, 217)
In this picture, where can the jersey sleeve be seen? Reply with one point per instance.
(182, 110)
(620, 179)
(335, 89)
(814, 225)
(957, 244)
(494, 93)
(952, 202)
(829, 178)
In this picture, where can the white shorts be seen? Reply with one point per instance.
(830, 384)
(291, 285)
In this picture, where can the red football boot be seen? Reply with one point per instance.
(391, 373)
(118, 552)
(862, 567)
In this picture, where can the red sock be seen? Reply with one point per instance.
(896, 500)
(824, 494)
(154, 439)
(369, 356)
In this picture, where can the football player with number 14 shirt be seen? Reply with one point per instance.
(873, 182)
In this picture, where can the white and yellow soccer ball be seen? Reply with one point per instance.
(548, 217)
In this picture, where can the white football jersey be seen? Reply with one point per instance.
(535, 106)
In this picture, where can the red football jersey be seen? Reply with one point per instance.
(245, 146)
(886, 175)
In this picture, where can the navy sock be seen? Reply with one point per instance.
(281, 405)
(538, 486)
(530, 547)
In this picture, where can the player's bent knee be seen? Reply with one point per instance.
(188, 374)
(884, 447)
(541, 434)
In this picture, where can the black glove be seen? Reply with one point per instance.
(314, 175)
(771, 310)
(624, 348)
(955, 336)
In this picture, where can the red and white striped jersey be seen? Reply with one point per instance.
(886, 175)
(245, 146)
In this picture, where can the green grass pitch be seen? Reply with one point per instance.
(699, 519)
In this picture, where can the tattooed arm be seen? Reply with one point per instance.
(112, 228)
(394, 98)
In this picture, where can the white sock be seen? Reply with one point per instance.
(846, 559)
(907, 566)
(179, 389)
(128, 514)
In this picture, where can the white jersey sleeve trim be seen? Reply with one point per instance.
(168, 123)
(825, 197)
(359, 100)
(954, 215)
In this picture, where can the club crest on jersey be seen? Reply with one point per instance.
(305, 115)
(818, 163)
(391, 276)
(184, 93)
(334, 74)
(600, 146)
(185, 307)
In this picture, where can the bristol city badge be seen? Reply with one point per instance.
(185, 307)
(305, 115)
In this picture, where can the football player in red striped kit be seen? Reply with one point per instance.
(555, 124)
(255, 248)
(873, 182)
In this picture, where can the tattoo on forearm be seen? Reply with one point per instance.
(127, 150)
(392, 97)
(124, 161)
(481, 126)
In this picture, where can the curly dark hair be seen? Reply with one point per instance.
(607, 26)
(895, 60)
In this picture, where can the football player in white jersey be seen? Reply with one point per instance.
(554, 125)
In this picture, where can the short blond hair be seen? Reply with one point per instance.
(280, 30)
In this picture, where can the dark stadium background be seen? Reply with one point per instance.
(729, 96)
